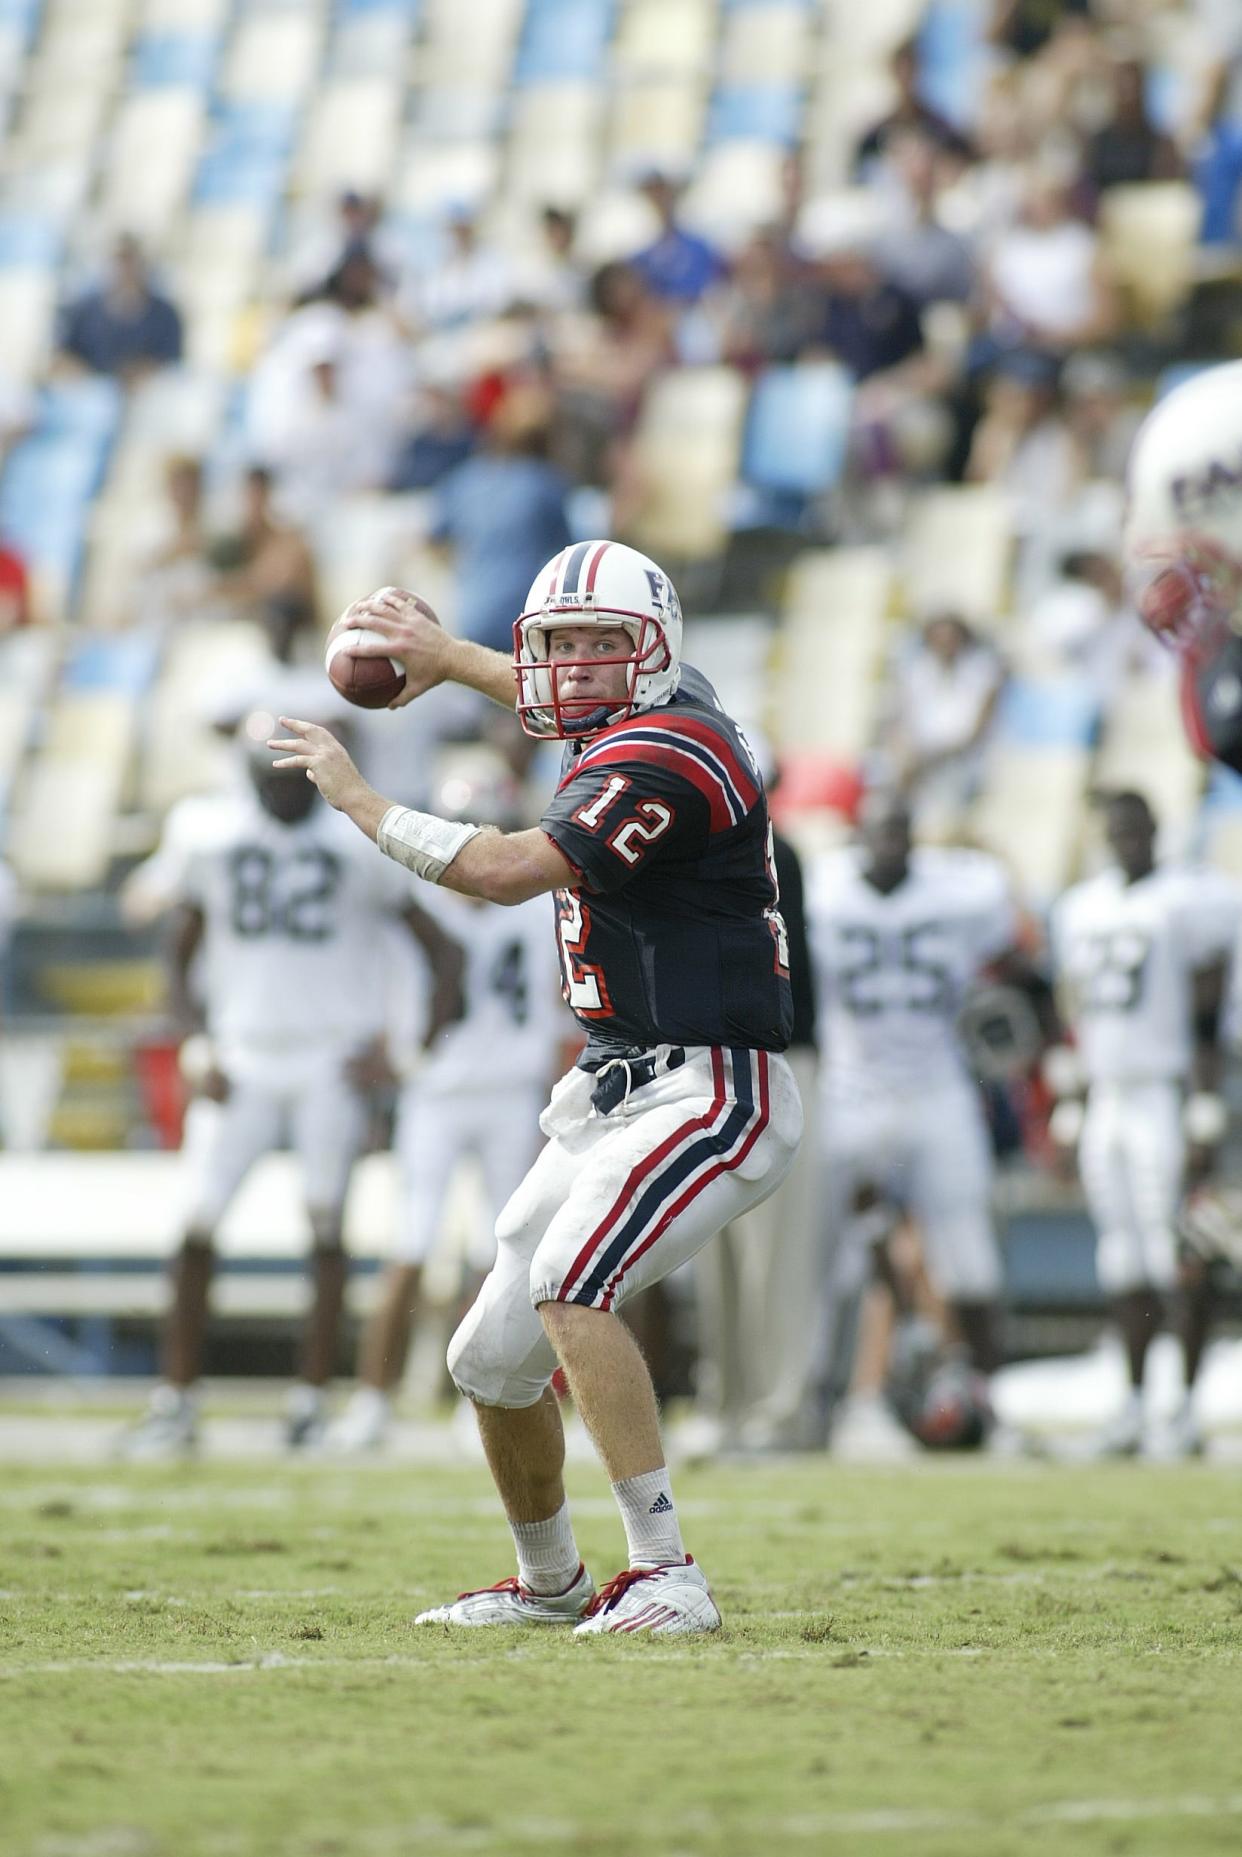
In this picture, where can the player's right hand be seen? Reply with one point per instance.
(411, 633)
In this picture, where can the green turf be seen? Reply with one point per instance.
(961, 1659)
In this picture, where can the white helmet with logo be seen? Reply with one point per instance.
(608, 585)
(1183, 536)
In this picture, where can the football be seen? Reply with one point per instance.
(372, 683)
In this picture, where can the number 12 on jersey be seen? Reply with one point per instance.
(584, 987)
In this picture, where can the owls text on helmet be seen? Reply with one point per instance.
(1183, 535)
(612, 587)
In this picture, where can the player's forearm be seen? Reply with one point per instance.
(488, 672)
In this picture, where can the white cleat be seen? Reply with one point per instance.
(1180, 1439)
(663, 1602)
(1122, 1436)
(362, 1426)
(167, 1430)
(867, 1431)
(511, 1603)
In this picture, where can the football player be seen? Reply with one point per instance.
(898, 936)
(1142, 954)
(478, 1091)
(277, 916)
(681, 1112)
(1183, 547)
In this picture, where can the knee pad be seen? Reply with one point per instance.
(479, 1370)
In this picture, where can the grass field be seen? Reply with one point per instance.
(965, 1658)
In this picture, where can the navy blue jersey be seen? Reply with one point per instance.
(673, 935)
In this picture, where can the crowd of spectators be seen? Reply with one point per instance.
(958, 277)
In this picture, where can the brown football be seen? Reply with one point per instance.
(370, 682)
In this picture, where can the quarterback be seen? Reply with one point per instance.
(681, 1113)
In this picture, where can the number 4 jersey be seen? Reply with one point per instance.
(293, 914)
(673, 935)
(1125, 954)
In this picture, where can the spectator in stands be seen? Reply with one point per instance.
(264, 568)
(324, 449)
(678, 266)
(868, 323)
(356, 231)
(175, 578)
(15, 607)
(1023, 443)
(944, 701)
(124, 326)
(909, 112)
(1128, 148)
(1083, 625)
(473, 280)
(1101, 416)
(549, 277)
(1045, 283)
(443, 436)
(919, 253)
(768, 310)
(503, 513)
(601, 364)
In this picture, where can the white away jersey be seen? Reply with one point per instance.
(1126, 954)
(294, 915)
(514, 1019)
(892, 970)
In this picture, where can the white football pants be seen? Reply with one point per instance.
(434, 1133)
(1130, 1156)
(614, 1203)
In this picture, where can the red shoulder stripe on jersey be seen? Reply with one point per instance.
(685, 765)
(674, 722)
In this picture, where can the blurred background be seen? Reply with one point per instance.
(846, 313)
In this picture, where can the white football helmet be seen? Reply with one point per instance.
(1183, 534)
(604, 584)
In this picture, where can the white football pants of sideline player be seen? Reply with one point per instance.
(435, 1132)
(1130, 1155)
(616, 1202)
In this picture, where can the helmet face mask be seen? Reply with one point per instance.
(621, 591)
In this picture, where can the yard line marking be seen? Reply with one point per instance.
(536, 1833)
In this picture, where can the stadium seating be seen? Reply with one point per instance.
(687, 452)
(1148, 234)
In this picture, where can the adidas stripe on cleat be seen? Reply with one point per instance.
(511, 1603)
(664, 1602)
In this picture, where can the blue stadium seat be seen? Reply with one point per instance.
(22, 16)
(185, 58)
(127, 664)
(796, 429)
(89, 409)
(952, 58)
(768, 113)
(563, 39)
(410, 9)
(29, 239)
(1049, 712)
(246, 154)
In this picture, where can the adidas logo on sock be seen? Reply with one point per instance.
(662, 1505)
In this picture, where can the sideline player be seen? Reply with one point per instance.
(680, 1114)
(1142, 954)
(898, 936)
(279, 915)
(478, 1091)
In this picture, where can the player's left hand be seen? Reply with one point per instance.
(317, 750)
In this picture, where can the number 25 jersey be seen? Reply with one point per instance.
(1126, 953)
(673, 935)
(892, 969)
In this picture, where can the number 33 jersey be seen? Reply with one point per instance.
(893, 969)
(674, 934)
(1125, 955)
(292, 920)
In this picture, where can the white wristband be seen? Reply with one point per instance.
(1204, 1119)
(420, 841)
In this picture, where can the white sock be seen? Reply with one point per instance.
(650, 1517)
(547, 1554)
